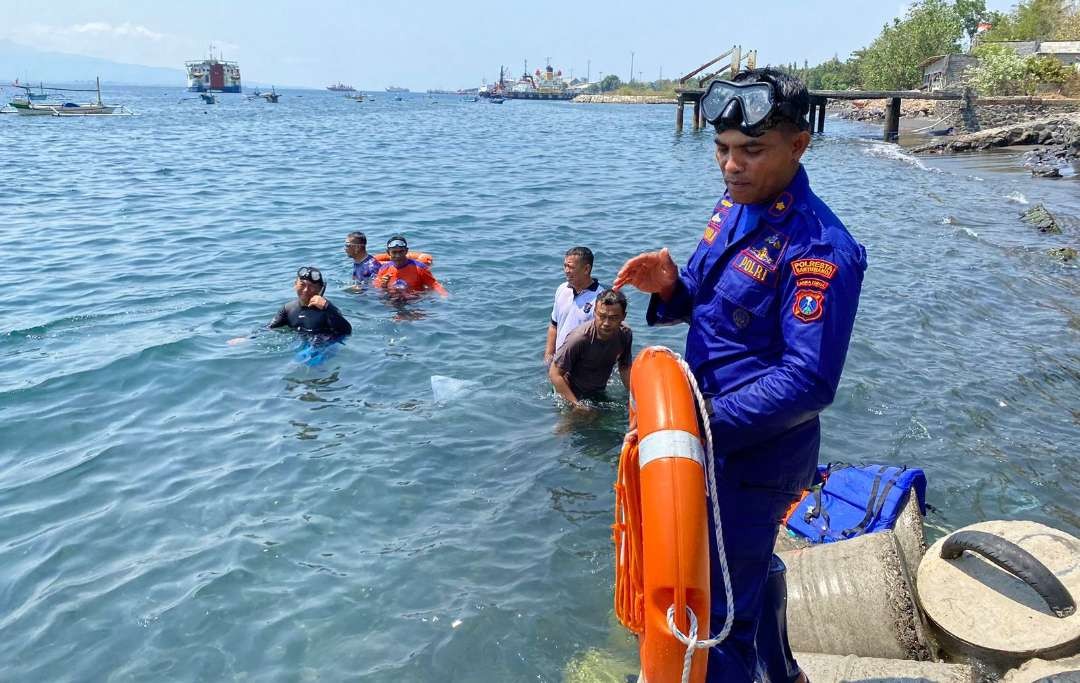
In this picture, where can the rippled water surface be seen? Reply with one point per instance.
(172, 507)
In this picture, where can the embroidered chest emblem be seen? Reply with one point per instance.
(716, 221)
(760, 259)
(781, 205)
(809, 305)
(710, 233)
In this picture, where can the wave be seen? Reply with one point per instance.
(883, 150)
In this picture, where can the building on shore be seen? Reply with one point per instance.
(946, 72)
(1065, 51)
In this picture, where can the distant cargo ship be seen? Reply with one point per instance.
(340, 87)
(213, 74)
(548, 84)
(394, 88)
(543, 85)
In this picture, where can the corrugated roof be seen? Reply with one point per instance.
(1059, 47)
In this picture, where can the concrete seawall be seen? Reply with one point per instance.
(623, 99)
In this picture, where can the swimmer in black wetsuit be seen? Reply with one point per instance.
(311, 312)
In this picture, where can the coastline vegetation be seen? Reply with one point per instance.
(930, 28)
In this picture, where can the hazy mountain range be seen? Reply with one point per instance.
(32, 65)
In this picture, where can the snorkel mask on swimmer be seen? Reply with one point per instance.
(752, 107)
(313, 275)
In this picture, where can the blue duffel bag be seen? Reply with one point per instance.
(851, 500)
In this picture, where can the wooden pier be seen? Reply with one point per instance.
(819, 99)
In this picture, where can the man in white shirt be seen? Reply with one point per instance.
(574, 299)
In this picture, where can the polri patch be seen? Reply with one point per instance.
(809, 305)
(813, 267)
(749, 267)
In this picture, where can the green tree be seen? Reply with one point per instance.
(610, 82)
(831, 75)
(1000, 71)
(970, 12)
(1044, 69)
(1030, 20)
(1069, 27)
(892, 61)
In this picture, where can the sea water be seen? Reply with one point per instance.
(175, 508)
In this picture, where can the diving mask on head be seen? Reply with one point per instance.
(312, 275)
(750, 107)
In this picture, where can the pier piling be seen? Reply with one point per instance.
(892, 119)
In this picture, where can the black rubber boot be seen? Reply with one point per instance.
(775, 660)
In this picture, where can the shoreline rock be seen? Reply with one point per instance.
(1060, 134)
(1038, 217)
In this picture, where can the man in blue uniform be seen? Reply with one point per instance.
(364, 264)
(770, 295)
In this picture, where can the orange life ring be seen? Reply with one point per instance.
(426, 259)
(661, 519)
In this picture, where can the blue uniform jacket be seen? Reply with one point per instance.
(365, 269)
(770, 317)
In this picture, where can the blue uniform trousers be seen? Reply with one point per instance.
(753, 497)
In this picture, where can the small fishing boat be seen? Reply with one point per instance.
(358, 97)
(495, 99)
(208, 97)
(28, 106)
(943, 131)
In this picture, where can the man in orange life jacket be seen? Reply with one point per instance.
(770, 295)
(402, 275)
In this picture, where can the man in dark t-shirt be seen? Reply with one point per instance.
(583, 363)
(311, 312)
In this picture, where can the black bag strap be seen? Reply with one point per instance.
(876, 502)
(817, 510)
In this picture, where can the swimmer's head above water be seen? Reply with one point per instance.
(356, 245)
(309, 283)
(398, 249)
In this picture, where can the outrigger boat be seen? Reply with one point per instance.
(30, 106)
(271, 96)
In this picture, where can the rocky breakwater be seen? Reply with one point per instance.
(1060, 135)
(623, 99)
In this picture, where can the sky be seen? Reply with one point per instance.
(423, 44)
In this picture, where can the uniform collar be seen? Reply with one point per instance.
(591, 288)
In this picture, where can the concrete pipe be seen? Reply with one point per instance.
(854, 597)
(836, 668)
(1043, 671)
